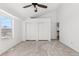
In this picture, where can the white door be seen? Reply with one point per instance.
(31, 31)
(44, 31)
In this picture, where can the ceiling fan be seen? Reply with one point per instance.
(35, 6)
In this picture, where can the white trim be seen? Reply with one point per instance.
(24, 31)
(9, 14)
(0, 30)
(13, 32)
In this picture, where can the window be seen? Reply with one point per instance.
(5, 27)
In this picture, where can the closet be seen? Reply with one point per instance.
(38, 29)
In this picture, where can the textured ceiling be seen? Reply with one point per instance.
(23, 13)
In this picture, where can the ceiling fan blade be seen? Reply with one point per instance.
(27, 6)
(43, 6)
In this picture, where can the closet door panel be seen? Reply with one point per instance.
(31, 31)
(44, 31)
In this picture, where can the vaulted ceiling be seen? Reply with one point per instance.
(17, 10)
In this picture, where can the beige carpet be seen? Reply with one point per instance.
(41, 48)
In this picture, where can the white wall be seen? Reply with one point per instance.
(52, 16)
(68, 16)
(8, 43)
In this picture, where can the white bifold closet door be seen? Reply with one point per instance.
(39, 30)
(44, 31)
(31, 31)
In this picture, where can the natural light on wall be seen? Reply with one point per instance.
(5, 27)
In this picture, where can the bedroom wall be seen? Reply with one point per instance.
(68, 17)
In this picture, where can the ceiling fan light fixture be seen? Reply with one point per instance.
(35, 9)
(35, 6)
